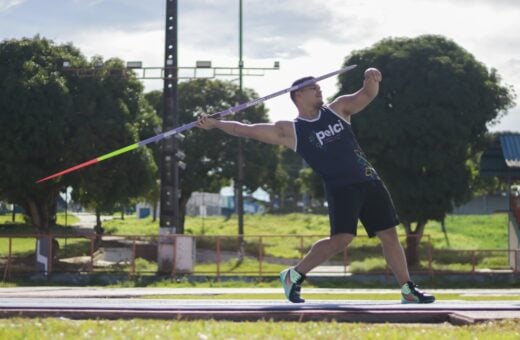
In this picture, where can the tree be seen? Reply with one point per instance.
(211, 155)
(429, 119)
(112, 113)
(297, 183)
(51, 119)
(311, 187)
(35, 104)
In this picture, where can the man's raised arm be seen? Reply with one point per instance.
(279, 133)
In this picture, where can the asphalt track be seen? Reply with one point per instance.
(127, 303)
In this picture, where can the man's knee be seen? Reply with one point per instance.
(341, 241)
(388, 235)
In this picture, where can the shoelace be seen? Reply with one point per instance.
(415, 288)
(296, 292)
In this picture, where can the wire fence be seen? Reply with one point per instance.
(224, 255)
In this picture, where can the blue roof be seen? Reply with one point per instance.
(511, 149)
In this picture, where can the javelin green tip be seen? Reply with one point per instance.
(118, 152)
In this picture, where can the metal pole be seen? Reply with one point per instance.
(509, 204)
(241, 62)
(240, 158)
(260, 256)
(66, 206)
(92, 254)
(133, 256)
(169, 217)
(169, 167)
(218, 258)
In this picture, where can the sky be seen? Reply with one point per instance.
(307, 37)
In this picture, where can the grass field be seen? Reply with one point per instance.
(48, 328)
(274, 237)
(471, 232)
(25, 246)
(464, 231)
(62, 220)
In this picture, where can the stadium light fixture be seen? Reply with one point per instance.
(134, 64)
(203, 64)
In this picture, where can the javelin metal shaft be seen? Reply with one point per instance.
(189, 126)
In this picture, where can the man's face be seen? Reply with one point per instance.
(311, 95)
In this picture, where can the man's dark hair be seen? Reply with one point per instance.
(297, 82)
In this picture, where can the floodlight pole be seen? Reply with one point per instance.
(239, 185)
(169, 167)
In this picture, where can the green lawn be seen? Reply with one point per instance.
(51, 328)
(465, 232)
(63, 220)
(24, 246)
(471, 232)
(272, 237)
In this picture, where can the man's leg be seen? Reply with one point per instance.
(396, 260)
(322, 250)
(394, 254)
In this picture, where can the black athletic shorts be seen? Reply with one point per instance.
(369, 202)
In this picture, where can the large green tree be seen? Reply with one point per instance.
(51, 119)
(429, 119)
(211, 156)
(35, 105)
(111, 113)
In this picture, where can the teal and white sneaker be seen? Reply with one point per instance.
(291, 282)
(411, 294)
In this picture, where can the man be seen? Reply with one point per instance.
(323, 136)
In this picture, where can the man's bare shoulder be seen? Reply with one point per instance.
(285, 125)
(286, 132)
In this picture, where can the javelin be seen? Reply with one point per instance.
(189, 126)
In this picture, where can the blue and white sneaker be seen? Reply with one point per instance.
(411, 294)
(291, 282)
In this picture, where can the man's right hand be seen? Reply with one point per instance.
(206, 123)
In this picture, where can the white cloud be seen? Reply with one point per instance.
(146, 44)
(7, 4)
(306, 36)
(513, 70)
(271, 28)
(487, 3)
(88, 3)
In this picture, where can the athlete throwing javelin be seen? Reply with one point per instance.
(323, 136)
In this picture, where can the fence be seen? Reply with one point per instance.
(225, 255)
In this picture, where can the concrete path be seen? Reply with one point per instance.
(101, 292)
(88, 220)
(95, 302)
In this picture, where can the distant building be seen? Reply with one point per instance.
(484, 205)
(204, 204)
(215, 204)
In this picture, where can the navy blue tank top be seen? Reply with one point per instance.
(329, 146)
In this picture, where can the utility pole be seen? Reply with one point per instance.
(169, 214)
(240, 157)
(169, 246)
